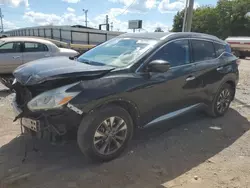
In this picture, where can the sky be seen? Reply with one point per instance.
(154, 13)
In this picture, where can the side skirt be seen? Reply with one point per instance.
(173, 114)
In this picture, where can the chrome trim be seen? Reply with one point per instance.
(166, 36)
(172, 115)
(190, 78)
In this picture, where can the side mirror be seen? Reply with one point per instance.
(158, 66)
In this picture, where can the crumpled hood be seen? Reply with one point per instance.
(42, 70)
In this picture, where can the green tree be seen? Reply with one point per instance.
(237, 24)
(159, 29)
(178, 21)
(227, 18)
(205, 20)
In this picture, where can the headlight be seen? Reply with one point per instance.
(52, 99)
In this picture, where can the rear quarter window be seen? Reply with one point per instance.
(203, 50)
(220, 49)
(228, 48)
(35, 47)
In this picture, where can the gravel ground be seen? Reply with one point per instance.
(190, 151)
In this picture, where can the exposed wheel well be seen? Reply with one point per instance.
(232, 84)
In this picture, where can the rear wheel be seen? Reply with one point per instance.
(221, 102)
(104, 134)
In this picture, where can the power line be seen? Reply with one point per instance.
(126, 8)
(123, 12)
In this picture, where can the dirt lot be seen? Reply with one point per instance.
(190, 151)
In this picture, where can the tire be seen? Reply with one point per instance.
(213, 109)
(91, 144)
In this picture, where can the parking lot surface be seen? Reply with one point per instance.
(190, 151)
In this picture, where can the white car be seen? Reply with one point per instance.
(15, 51)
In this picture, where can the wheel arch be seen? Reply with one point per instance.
(232, 84)
(128, 105)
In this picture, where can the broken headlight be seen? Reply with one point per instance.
(52, 99)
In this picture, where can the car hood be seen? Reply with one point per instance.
(38, 71)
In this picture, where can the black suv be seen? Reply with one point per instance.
(130, 81)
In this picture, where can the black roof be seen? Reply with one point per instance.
(150, 35)
(171, 35)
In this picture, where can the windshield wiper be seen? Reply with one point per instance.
(90, 62)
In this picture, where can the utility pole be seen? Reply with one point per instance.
(111, 26)
(1, 16)
(185, 17)
(107, 22)
(107, 19)
(188, 16)
(86, 16)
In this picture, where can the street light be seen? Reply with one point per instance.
(86, 16)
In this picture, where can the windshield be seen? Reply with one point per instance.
(117, 52)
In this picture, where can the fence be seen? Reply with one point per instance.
(67, 35)
(76, 38)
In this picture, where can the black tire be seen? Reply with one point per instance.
(213, 108)
(92, 122)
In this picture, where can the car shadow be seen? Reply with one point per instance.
(156, 155)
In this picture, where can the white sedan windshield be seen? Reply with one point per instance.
(118, 52)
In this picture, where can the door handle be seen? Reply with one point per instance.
(46, 55)
(15, 57)
(219, 68)
(190, 78)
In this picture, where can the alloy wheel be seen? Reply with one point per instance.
(223, 100)
(110, 135)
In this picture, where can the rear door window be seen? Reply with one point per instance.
(203, 50)
(35, 47)
(176, 53)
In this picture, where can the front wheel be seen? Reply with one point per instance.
(104, 134)
(219, 106)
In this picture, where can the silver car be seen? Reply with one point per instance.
(15, 51)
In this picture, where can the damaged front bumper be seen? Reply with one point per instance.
(47, 124)
(34, 125)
